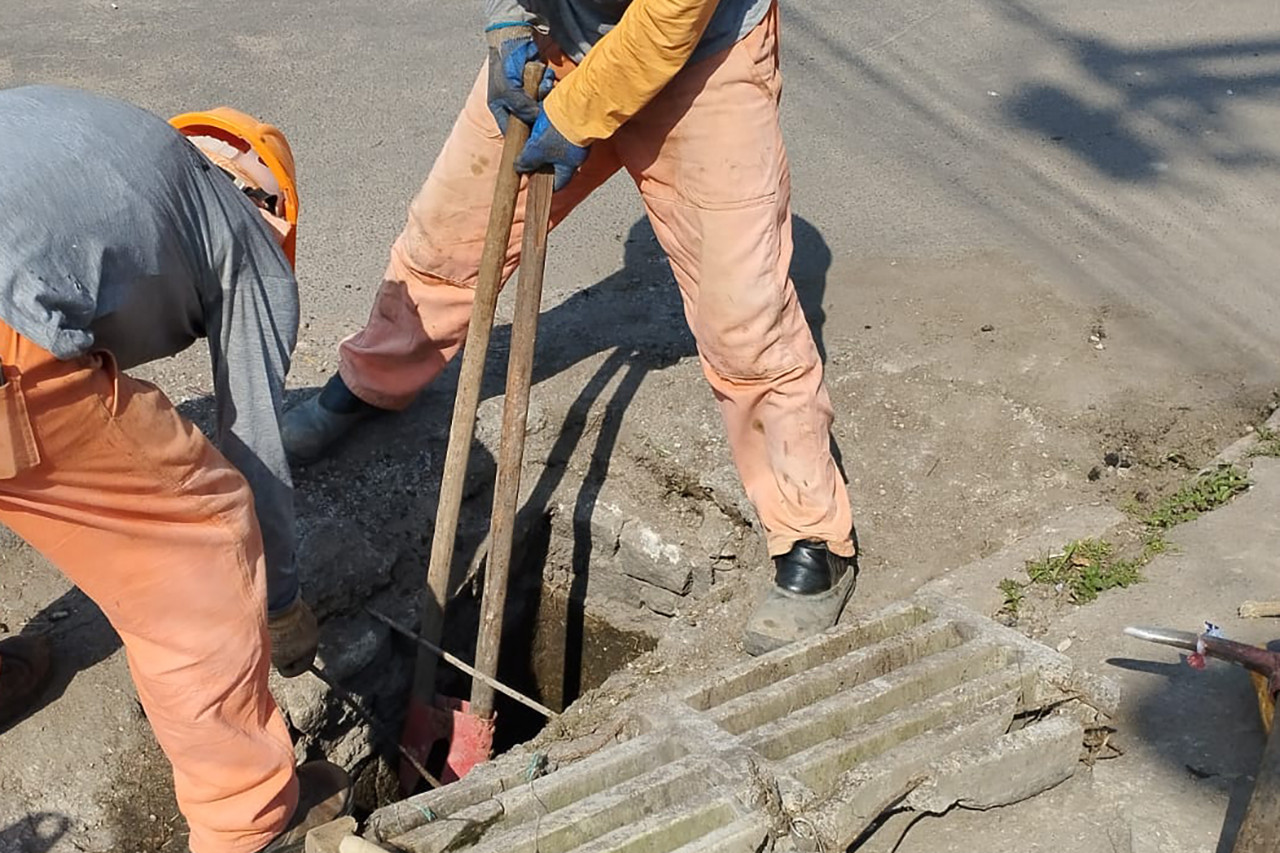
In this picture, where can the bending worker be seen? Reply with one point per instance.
(684, 95)
(122, 243)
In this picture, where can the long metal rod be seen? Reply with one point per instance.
(462, 665)
(375, 725)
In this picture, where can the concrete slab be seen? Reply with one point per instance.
(805, 747)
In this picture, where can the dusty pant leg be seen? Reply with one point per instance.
(423, 307)
(709, 160)
(140, 511)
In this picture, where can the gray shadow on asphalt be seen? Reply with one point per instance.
(1204, 722)
(38, 832)
(1181, 88)
(81, 638)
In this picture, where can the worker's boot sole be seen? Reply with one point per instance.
(25, 670)
(784, 617)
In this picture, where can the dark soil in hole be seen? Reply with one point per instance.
(561, 652)
(553, 648)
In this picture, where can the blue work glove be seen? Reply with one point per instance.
(548, 147)
(511, 48)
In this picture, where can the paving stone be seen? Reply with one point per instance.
(339, 569)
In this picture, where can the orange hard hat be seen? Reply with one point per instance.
(258, 154)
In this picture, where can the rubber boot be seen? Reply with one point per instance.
(24, 673)
(310, 429)
(810, 588)
(324, 795)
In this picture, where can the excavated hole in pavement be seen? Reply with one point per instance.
(555, 647)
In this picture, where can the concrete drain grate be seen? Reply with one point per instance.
(922, 705)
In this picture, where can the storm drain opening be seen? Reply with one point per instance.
(555, 647)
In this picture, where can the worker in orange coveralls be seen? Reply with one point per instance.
(122, 242)
(684, 95)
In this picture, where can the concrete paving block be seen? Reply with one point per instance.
(870, 701)
(648, 555)
(800, 657)
(326, 838)
(748, 834)
(922, 703)
(422, 823)
(684, 794)
(868, 789)
(1018, 766)
(483, 783)
(823, 767)
(717, 825)
(655, 598)
(831, 679)
(1052, 676)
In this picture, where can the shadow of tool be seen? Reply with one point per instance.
(38, 832)
(1208, 723)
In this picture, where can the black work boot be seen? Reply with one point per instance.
(324, 795)
(309, 429)
(24, 674)
(810, 588)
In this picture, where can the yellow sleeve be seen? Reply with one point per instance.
(629, 66)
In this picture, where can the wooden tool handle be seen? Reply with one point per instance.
(1259, 609)
(515, 414)
(470, 377)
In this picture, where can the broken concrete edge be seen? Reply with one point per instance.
(1022, 764)
(1096, 696)
(1240, 452)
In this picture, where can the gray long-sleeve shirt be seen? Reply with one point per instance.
(117, 234)
(576, 25)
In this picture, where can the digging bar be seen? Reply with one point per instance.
(429, 722)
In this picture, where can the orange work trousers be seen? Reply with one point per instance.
(132, 503)
(708, 158)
